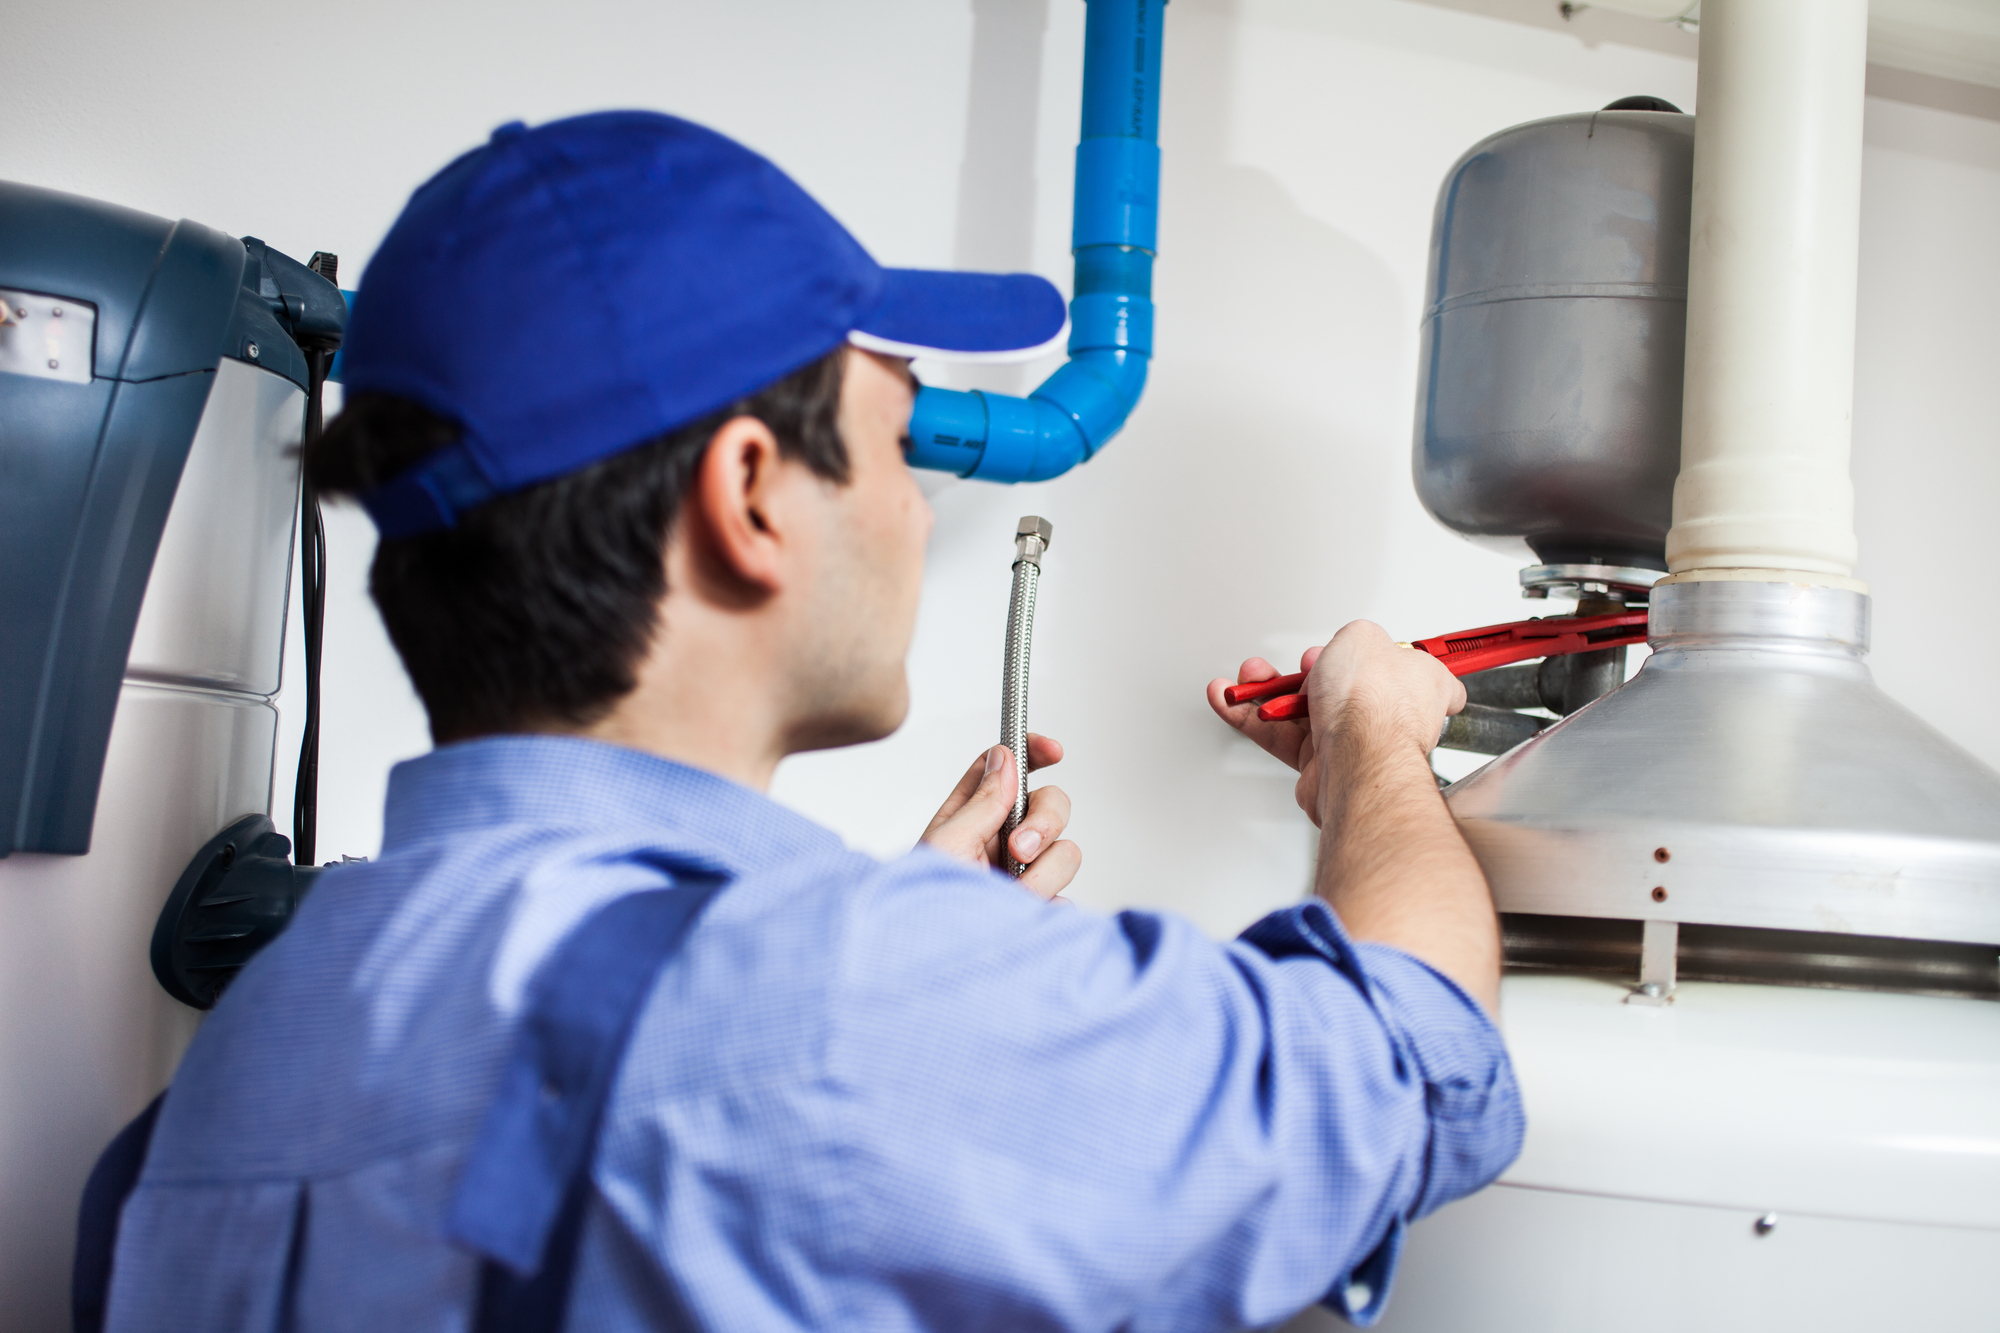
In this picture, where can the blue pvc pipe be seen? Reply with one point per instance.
(1113, 236)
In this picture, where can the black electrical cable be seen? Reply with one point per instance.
(312, 600)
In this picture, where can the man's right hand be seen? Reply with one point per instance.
(1361, 678)
(1391, 861)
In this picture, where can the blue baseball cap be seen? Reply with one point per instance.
(567, 292)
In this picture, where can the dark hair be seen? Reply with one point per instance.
(537, 608)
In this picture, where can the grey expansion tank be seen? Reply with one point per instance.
(1549, 381)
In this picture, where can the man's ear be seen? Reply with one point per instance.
(734, 509)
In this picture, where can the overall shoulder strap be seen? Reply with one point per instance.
(111, 1182)
(520, 1204)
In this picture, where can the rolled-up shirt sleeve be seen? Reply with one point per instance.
(1454, 1053)
(1118, 1122)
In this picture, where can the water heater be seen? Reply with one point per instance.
(153, 378)
(1751, 904)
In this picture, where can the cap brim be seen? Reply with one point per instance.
(964, 316)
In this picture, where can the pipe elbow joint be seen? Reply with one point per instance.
(1068, 419)
(1032, 439)
(995, 437)
(1094, 392)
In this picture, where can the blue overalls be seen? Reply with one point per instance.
(521, 1201)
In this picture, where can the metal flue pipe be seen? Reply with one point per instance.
(1767, 405)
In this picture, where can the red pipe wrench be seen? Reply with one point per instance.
(1471, 650)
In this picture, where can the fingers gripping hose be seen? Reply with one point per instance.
(1031, 539)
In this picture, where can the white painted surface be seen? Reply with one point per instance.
(1839, 1103)
(1952, 39)
(1767, 412)
(1955, 39)
(1517, 1260)
(214, 614)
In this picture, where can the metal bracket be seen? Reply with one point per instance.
(1622, 583)
(1659, 948)
(49, 337)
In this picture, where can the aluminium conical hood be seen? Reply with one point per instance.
(1751, 774)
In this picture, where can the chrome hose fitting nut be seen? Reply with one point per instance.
(1031, 538)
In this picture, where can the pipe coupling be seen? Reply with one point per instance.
(1747, 614)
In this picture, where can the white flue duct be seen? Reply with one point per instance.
(1767, 409)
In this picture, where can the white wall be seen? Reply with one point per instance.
(1260, 496)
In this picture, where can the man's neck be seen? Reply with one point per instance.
(707, 696)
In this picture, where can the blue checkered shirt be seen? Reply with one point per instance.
(889, 1095)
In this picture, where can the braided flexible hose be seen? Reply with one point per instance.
(1031, 538)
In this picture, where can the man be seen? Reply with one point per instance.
(604, 1035)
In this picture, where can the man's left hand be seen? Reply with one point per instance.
(968, 824)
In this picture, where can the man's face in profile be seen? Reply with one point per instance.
(869, 566)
